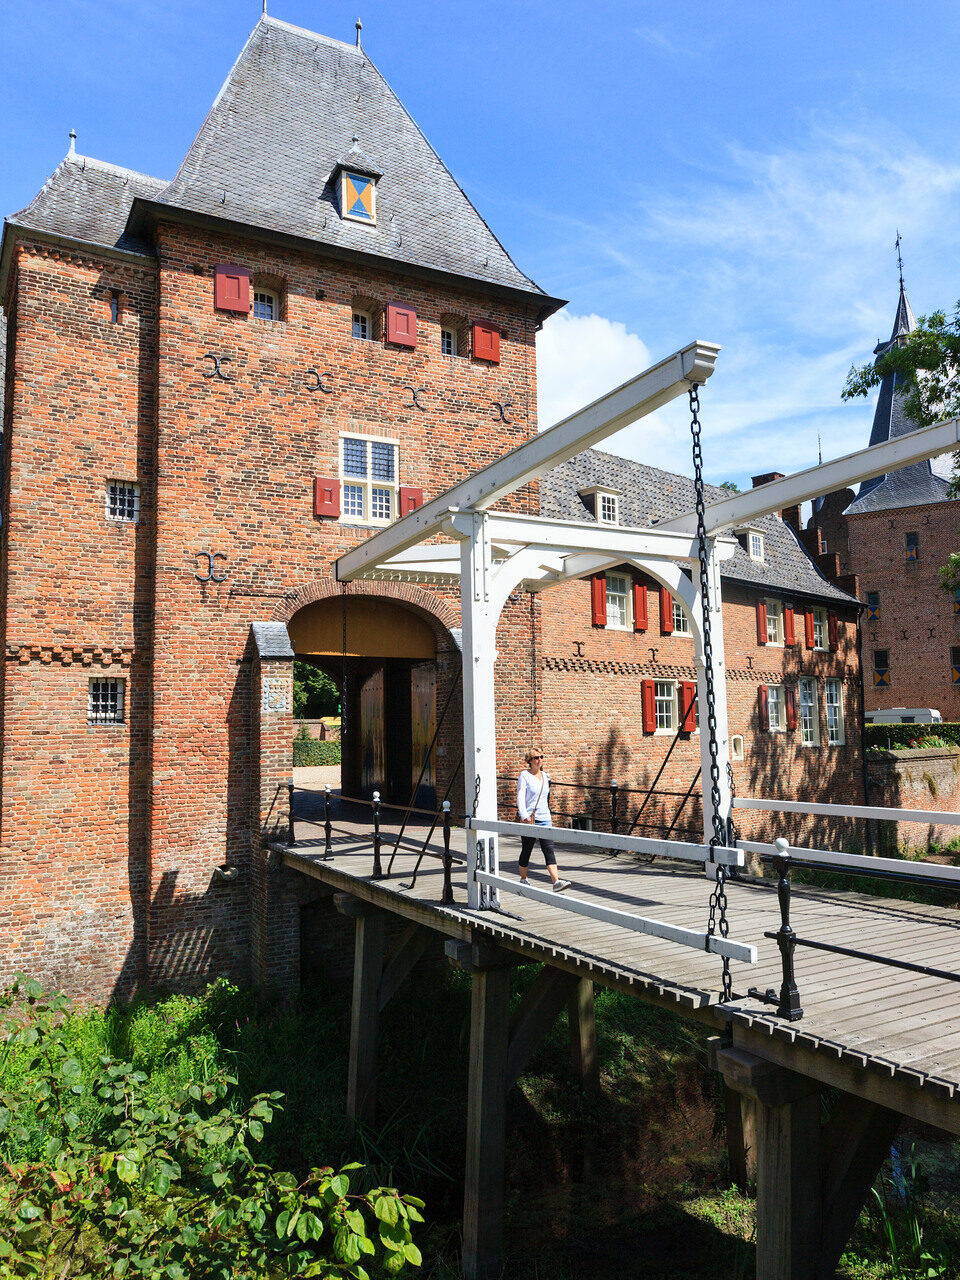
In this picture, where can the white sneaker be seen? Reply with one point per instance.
(560, 885)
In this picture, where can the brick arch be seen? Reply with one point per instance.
(438, 614)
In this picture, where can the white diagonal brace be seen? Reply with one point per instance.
(826, 477)
(644, 394)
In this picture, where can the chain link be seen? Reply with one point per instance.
(479, 862)
(717, 917)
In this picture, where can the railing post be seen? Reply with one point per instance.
(446, 899)
(614, 807)
(377, 866)
(789, 1006)
(291, 838)
(327, 825)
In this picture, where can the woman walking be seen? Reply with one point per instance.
(533, 792)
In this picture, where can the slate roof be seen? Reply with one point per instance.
(648, 495)
(910, 486)
(89, 200)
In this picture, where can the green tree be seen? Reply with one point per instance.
(927, 362)
(315, 693)
(729, 484)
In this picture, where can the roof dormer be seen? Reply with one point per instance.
(602, 502)
(356, 177)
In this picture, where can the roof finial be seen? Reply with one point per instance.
(359, 26)
(264, 8)
(73, 143)
(899, 258)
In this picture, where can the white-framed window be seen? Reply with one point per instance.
(619, 602)
(362, 325)
(122, 501)
(105, 701)
(681, 623)
(665, 705)
(755, 545)
(448, 342)
(820, 628)
(809, 714)
(833, 698)
(368, 475)
(266, 305)
(774, 622)
(608, 508)
(775, 708)
(736, 747)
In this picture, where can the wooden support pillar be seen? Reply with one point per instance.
(583, 1037)
(740, 1118)
(486, 1124)
(365, 1009)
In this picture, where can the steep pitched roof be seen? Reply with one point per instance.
(649, 495)
(910, 486)
(267, 153)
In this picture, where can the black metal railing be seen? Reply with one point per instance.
(787, 1000)
(607, 805)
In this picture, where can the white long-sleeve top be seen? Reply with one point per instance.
(528, 788)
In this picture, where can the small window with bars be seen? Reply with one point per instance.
(105, 702)
(912, 541)
(833, 699)
(756, 546)
(368, 471)
(619, 612)
(955, 665)
(448, 342)
(775, 706)
(362, 325)
(266, 305)
(873, 606)
(681, 623)
(609, 509)
(809, 714)
(123, 501)
(665, 704)
(881, 668)
(819, 628)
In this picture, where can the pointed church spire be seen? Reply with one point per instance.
(904, 321)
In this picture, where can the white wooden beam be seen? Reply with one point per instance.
(826, 477)
(644, 394)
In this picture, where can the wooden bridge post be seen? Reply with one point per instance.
(583, 1036)
(365, 1008)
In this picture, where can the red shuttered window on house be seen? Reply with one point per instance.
(666, 612)
(761, 622)
(789, 627)
(790, 698)
(648, 706)
(598, 599)
(486, 343)
(809, 635)
(401, 325)
(833, 631)
(688, 706)
(231, 288)
(639, 605)
(763, 707)
(410, 499)
(326, 497)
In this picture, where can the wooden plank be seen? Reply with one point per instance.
(567, 838)
(583, 1037)
(856, 1143)
(535, 1016)
(365, 1019)
(401, 961)
(788, 1188)
(848, 811)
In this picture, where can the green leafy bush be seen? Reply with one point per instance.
(881, 737)
(129, 1183)
(308, 751)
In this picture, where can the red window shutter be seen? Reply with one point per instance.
(834, 632)
(763, 706)
(326, 497)
(401, 325)
(789, 629)
(486, 343)
(231, 288)
(808, 627)
(790, 698)
(647, 706)
(761, 622)
(598, 599)
(639, 605)
(688, 700)
(410, 499)
(666, 612)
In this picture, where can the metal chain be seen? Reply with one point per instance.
(479, 863)
(717, 917)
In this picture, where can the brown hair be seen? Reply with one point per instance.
(534, 751)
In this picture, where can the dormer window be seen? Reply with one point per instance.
(755, 544)
(358, 178)
(603, 503)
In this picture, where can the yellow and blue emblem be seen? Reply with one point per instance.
(358, 197)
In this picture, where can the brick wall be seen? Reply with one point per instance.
(928, 779)
(918, 624)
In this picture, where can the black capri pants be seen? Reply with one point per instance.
(526, 848)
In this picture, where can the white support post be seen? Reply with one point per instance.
(718, 666)
(479, 618)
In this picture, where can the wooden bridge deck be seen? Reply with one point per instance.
(886, 1034)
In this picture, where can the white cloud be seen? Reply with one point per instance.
(579, 359)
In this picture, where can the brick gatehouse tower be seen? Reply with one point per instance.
(214, 386)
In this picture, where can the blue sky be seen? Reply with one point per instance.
(735, 172)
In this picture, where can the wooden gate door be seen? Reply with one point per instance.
(423, 717)
(372, 732)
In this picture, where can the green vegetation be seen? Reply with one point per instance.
(315, 694)
(631, 1183)
(308, 750)
(882, 737)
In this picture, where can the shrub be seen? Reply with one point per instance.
(308, 751)
(880, 737)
